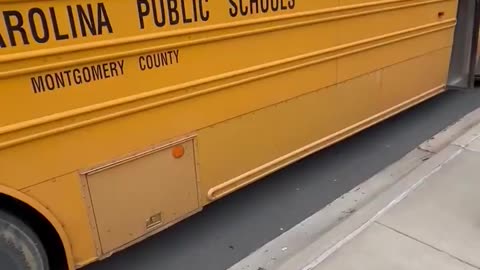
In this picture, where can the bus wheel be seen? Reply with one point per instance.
(20, 248)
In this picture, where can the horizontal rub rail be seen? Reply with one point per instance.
(331, 13)
(309, 60)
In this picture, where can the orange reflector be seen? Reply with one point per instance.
(178, 151)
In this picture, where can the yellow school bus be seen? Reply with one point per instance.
(120, 118)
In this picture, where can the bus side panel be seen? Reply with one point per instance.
(63, 196)
(277, 132)
(359, 63)
(418, 74)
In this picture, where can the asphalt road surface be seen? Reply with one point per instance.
(230, 229)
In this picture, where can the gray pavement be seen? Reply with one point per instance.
(433, 224)
(236, 226)
(380, 247)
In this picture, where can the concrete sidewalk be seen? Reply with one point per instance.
(422, 212)
(434, 224)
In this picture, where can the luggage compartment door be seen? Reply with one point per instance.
(143, 193)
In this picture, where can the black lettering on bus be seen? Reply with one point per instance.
(170, 56)
(159, 14)
(265, 5)
(120, 64)
(43, 25)
(233, 10)
(49, 82)
(204, 14)
(291, 4)
(73, 26)
(60, 80)
(176, 53)
(156, 60)
(16, 26)
(164, 59)
(2, 42)
(184, 12)
(113, 69)
(103, 20)
(56, 29)
(141, 63)
(195, 11)
(143, 9)
(254, 6)
(275, 5)
(86, 20)
(250, 7)
(38, 85)
(97, 72)
(77, 76)
(149, 61)
(106, 70)
(173, 12)
(87, 76)
(68, 73)
(243, 8)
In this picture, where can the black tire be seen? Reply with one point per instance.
(20, 248)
